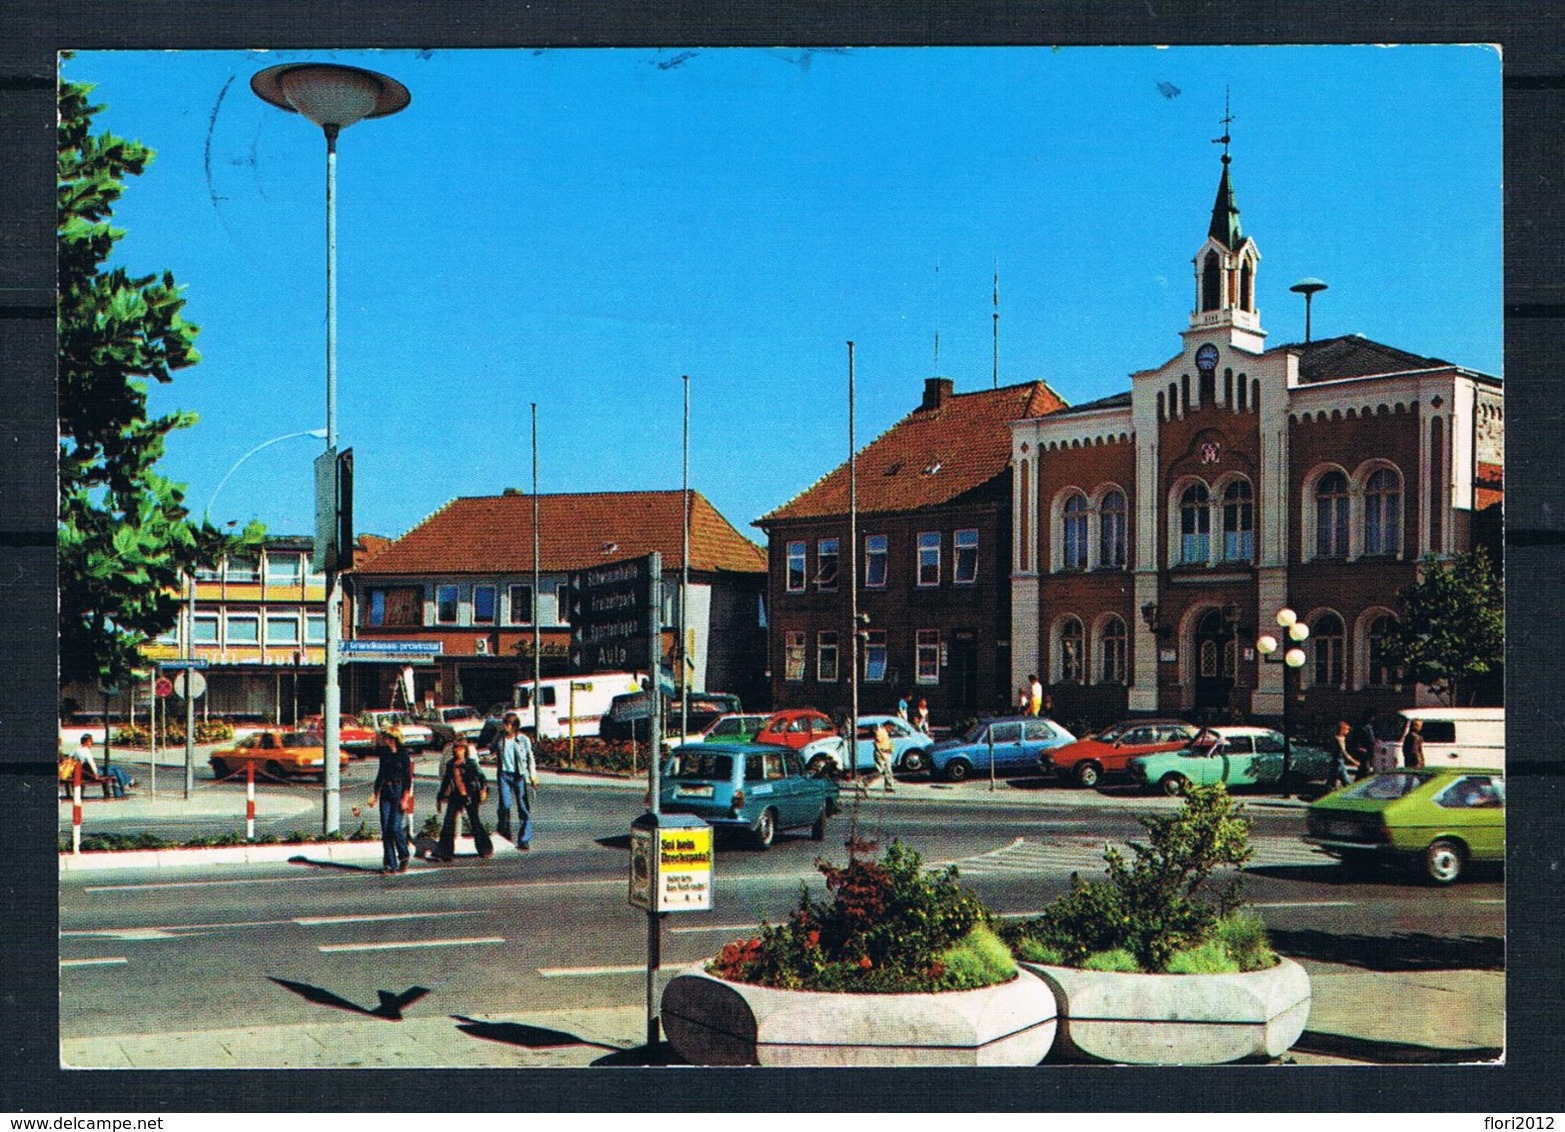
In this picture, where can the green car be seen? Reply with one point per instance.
(1246, 756)
(1436, 818)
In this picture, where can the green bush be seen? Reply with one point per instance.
(1245, 939)
(111, 842)
(889, 927)
(1115, 959)
(1209, 958)
(1162, 902)
(980, 959)
(618, 757)
(140, 735)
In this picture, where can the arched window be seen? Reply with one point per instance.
(1378, 673)
(1111, 531)
(1383, 513)
(1211, 283)
(1075, 532)
(1238, 522)
(1246, 300)
(1327, 639)
(1331, 516)
(1195, 524)
(1111, 650)
(1073, 653)
(1024, 510)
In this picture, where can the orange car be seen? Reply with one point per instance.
(275, 754)
(352, 735)
(1087, 760)
(794, 727)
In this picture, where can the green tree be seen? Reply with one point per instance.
(1452, 629)
(126, 540)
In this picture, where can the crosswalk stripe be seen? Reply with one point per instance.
(1025, 855)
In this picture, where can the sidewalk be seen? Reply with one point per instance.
(1345, 1028)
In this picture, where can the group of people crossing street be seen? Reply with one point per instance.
(462, 791)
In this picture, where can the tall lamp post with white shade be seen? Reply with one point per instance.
(1292, 658)
(333, 97)
(190, 607)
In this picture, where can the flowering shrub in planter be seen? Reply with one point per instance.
(173, 734)
(898, 967)
(1155, 965)
(610, 757)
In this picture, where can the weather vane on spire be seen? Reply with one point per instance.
(1227, 120)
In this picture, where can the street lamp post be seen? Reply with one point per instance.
(1292, 659)
(333, 97)
(190, 607)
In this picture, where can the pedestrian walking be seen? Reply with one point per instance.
(921, 719)
(1413, 744)
(463, 786)
(1206, 742)
(902, 709)
(883, 755)
(518, 775)
(1023, 700)
(393, 794)
(1361, 743)
(1034, 695)
(1342, 759)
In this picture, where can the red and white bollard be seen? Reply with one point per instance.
(250, 801)
(76, 810)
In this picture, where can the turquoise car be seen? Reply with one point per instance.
(1246, 756)
(751, 788)
(1439, 819)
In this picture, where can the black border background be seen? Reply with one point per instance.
(1534, 91)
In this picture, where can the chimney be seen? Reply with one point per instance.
(937, 391)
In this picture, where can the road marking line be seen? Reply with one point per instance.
(588, 972)
(370, 918)
(395, 945)
(195, 884)
(1308, 904)
(104, 962)
(714, 928)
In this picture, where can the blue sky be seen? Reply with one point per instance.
(579, 228)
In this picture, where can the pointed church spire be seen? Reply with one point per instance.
(1225, 213)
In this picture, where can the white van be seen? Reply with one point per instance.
(1473, 736)
(569, 705)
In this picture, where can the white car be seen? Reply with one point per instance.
(415, 736)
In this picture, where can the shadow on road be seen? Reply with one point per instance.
(390, 1008)
(345, 866)
(1403, 951)
(660, 1054)
(521, 1034)
(1390, 1053)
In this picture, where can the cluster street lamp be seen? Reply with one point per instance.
(190, 607)
(333, 97)
(1292, 658)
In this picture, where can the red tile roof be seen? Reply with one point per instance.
(930, 456)
(493, 534)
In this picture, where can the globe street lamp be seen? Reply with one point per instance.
(190, 608)
(1292, 659)
(333, 97)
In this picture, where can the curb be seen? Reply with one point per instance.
(224, 855)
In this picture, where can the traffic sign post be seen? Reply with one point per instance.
(609, 606)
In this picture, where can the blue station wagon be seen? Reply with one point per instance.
(754, 788)
(1017, 742)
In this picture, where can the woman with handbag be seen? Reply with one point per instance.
(393, 793)
(461, 784)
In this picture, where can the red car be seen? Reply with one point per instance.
(1087, 760)
(352, 736)
(794, 727)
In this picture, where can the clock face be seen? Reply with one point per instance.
(1206, 358)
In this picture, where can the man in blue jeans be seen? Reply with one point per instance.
(393, 783)
(517, 772)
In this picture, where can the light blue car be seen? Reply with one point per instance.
(909, 748)
(1017, 743)
(747, 787)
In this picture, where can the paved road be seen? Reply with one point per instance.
(220, 948)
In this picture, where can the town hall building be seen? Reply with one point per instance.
(1157, 532)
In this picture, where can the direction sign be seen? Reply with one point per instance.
(363, 646)
(609, 610)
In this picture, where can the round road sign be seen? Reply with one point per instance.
(197, 683)
(163, 687)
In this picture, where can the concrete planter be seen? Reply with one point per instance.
(711, 1021)
(1178, 1019)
